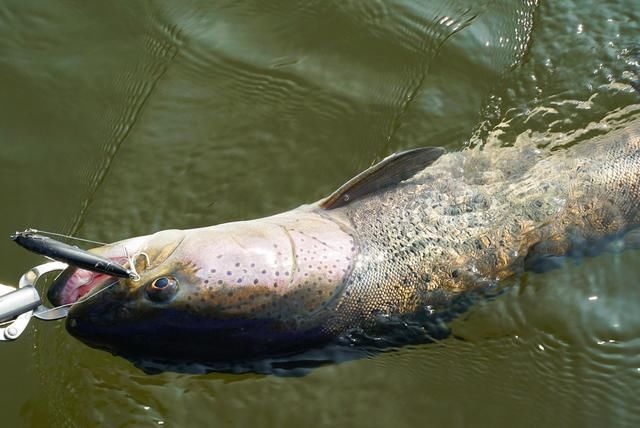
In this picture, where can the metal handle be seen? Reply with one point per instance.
(18, 302)
(23, 301)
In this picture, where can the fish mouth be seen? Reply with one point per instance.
(74, 284)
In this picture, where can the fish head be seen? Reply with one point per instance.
(235, 291)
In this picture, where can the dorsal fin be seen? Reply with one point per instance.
(391, 170)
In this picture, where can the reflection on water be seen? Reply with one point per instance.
(119, 121)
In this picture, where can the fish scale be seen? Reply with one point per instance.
(452, 228)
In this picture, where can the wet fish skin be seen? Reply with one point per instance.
(479, 216)
(285, 283)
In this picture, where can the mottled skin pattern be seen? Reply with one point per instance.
(282, 284)
(479, 216)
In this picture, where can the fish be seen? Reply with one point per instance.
(398, 246)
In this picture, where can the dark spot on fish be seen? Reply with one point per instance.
(237, 264)
(277, 273)
(275, 285)
(253, 265)
(264, 271)
(219, 281)
(255, 281)
(239, 280)
(206, 281)
(286, 274)
(213, 271)
(229, 273)
(220, 256)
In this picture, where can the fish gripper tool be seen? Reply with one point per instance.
(19, 304)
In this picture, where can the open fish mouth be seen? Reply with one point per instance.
(74, 284)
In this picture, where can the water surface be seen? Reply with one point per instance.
(122, 119)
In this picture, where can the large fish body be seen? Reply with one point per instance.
(388, 243)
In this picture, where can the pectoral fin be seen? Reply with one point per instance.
(391, 170)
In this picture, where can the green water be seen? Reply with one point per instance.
(123, 118)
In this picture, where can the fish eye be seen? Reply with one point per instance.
(161, 289)
(160, 283)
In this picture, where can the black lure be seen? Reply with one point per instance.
(69, 254)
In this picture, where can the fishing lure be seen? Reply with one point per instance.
(72, 255)
(19, 304)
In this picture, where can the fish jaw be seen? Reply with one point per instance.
(78, 283)
(73, 284)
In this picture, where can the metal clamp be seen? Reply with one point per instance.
(24, 302)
